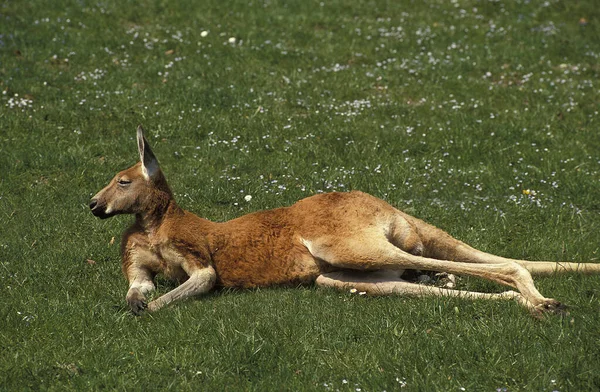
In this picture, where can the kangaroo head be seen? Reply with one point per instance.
(141, 189)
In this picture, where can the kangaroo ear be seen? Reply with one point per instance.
(150, 165)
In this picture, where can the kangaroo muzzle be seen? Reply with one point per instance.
(99, 210)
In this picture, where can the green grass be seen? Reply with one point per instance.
(480, 117)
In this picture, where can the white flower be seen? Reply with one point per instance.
(248, 197)
(232, 40)
(204, 34)
(353, 291)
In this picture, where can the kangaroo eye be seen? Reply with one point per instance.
(122, 181)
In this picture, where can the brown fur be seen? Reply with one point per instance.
(342, 240)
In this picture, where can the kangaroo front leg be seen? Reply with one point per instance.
(139, 265)
(140, 284)
(199, 282)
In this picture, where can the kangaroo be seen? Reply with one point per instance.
(341, 240)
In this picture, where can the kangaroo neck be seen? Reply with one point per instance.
(162, 205)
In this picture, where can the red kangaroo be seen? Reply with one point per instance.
(342, 240)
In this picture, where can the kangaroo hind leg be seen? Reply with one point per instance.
(387, 283)
(438, 244)
(373, 251)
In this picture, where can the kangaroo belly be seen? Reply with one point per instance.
(265, 264)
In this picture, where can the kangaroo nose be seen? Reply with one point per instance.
(93, 204)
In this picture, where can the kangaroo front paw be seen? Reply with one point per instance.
(155, 305)
(136, 301)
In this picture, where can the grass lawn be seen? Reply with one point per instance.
(480, 117)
